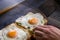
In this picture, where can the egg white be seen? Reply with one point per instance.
(1, 36)
(21, 35)
(24, 20)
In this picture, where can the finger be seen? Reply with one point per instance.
(43, 29)
(46, 26)
(55, 30)
(38, 38)
(41, 37)
(52, 37)
(45, 36)
(43, 26)
(47, 31)
(40, 34)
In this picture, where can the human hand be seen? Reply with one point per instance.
(47, 32)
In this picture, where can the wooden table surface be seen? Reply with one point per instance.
(19, 10)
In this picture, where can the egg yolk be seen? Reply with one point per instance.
(33, 21)
(12, 34)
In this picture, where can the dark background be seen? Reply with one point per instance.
(51, 8)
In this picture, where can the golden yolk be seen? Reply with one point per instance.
(12, 34)
(33, 21)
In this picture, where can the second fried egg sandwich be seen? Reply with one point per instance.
(12, 32)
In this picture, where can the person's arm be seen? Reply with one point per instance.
(47, 32)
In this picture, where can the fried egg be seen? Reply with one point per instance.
(30, 20)
(14, 33)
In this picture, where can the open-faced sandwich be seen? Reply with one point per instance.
(12, 32)
(30, 20)
(23, 27)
